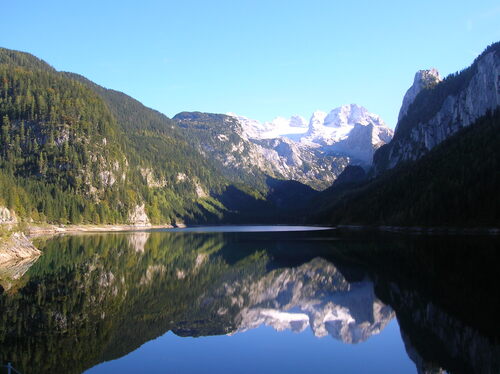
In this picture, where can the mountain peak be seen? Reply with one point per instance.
(423, 79)
(297, 121)
(351, 130)
(349, 115)
(317, 119)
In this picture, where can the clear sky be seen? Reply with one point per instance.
(260, 59)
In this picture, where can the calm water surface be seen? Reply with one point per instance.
(254, 299)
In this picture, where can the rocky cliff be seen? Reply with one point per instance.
(424, 79)
(350, 131)
(432, 111)
(313, 153)
(245, 157)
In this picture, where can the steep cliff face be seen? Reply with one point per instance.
(138, 216)
(313, 154)
(424, 79)
(349, 131)
(231, 144)
(433, 111)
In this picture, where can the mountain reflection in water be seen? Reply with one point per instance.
(95, 298)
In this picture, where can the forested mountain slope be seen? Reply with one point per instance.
(455, 184)
(72, 151)
(442, 166)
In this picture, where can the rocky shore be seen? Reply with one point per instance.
(16, 245)
(16, 248)
(34, 231)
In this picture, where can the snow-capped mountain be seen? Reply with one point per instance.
(245, 156)
(349, 130)
(280, 126)
(313, 153)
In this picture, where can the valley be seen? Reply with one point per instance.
(74, 152)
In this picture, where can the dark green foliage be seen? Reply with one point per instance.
(56, 137)
(23, 60)
(456, 183)
(74, 152)
(352, 174)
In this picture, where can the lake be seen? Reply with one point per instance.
(254, 299)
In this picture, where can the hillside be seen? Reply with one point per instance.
(455, 184)
(442, 166)
(74, 152)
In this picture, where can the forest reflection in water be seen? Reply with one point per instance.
(94, 298)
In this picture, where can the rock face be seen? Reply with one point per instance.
(344, 123)
(7, 216)
(362, 142)
(424, 79)
(138, 216)
(350, 131)
(243, 155)
(432, 115)
(313, 153)
(17, 248)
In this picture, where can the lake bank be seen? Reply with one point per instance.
(35, 231)
(17, 247)
(423, 230)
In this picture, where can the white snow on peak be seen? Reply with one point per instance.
(297, 121)
(317, 119)
(323, 128)
(349, 129)
(349, 115)
(280, 126)
(336, 126)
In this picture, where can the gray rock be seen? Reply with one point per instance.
(138, 216)
(423, 79)
(7, 216)
(459, 109)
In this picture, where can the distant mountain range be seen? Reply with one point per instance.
(288, 149)
(75, 152)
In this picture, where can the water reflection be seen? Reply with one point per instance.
(94, 298)
(314, 295)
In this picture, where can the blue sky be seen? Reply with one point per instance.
(257, 58)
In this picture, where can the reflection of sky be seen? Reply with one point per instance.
(246, 228)
(264, 350)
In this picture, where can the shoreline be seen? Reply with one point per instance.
(35, 231)
(422, 230)
(19, 246)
